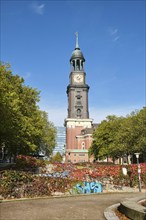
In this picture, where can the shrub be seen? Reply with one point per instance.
(18, 184)
(11, 181)
(38, 187)
(57, 158)
(27, 162)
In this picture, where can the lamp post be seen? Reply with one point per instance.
(138, 170)
(3, 147)
(63, 154)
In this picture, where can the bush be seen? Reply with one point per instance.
(57, 158)
(18, 184)
(11, 181)
(38, 187)
(27, 162)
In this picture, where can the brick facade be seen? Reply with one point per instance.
(78, 140)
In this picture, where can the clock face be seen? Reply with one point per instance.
(78, 78)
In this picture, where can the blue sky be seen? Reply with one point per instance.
(38, 37)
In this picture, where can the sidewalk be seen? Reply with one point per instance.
(87, 207)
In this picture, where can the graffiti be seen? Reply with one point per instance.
(89, 187)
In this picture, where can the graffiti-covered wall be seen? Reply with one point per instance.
(88, 187)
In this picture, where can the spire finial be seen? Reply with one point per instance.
(77, 44)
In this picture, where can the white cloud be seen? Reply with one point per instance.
(38, 8)
(114, 33)
(116, 38)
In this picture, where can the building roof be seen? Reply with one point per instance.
(87, 131)
(77, 53)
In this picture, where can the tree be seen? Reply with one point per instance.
(94, 150)
(118, 136)
(140, 131)
(57, 158)
(10, 115)
(47, 142)
(131, 136)
(24, 128)
(104, 138)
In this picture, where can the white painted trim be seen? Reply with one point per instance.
(74, 122)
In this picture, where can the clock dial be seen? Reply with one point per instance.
(78, 78)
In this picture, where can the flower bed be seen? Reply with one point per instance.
(95, 171)
(18, 184)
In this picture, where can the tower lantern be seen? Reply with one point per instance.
(77, 59)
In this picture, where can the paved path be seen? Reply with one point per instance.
(87, 207)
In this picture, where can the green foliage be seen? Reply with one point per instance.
(16, 184)
(118, 136)
(48, 142)
(57, 158)
(12, 181)
(104, 138)
(28, 162)
(24, 128)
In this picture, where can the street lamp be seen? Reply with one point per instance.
(63, 153)
(139, 170)
(3, 147)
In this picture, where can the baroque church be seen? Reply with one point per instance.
(79, 127)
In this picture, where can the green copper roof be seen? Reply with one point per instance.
(77, 53)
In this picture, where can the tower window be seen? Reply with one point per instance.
(78, 65)
(78, 97)
(78, 113)
(73, 65)
(82, 65)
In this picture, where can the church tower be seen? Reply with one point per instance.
(77, 122)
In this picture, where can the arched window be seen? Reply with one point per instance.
(78, 65)
(73, 65)
(82, 65)
(78, 113)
